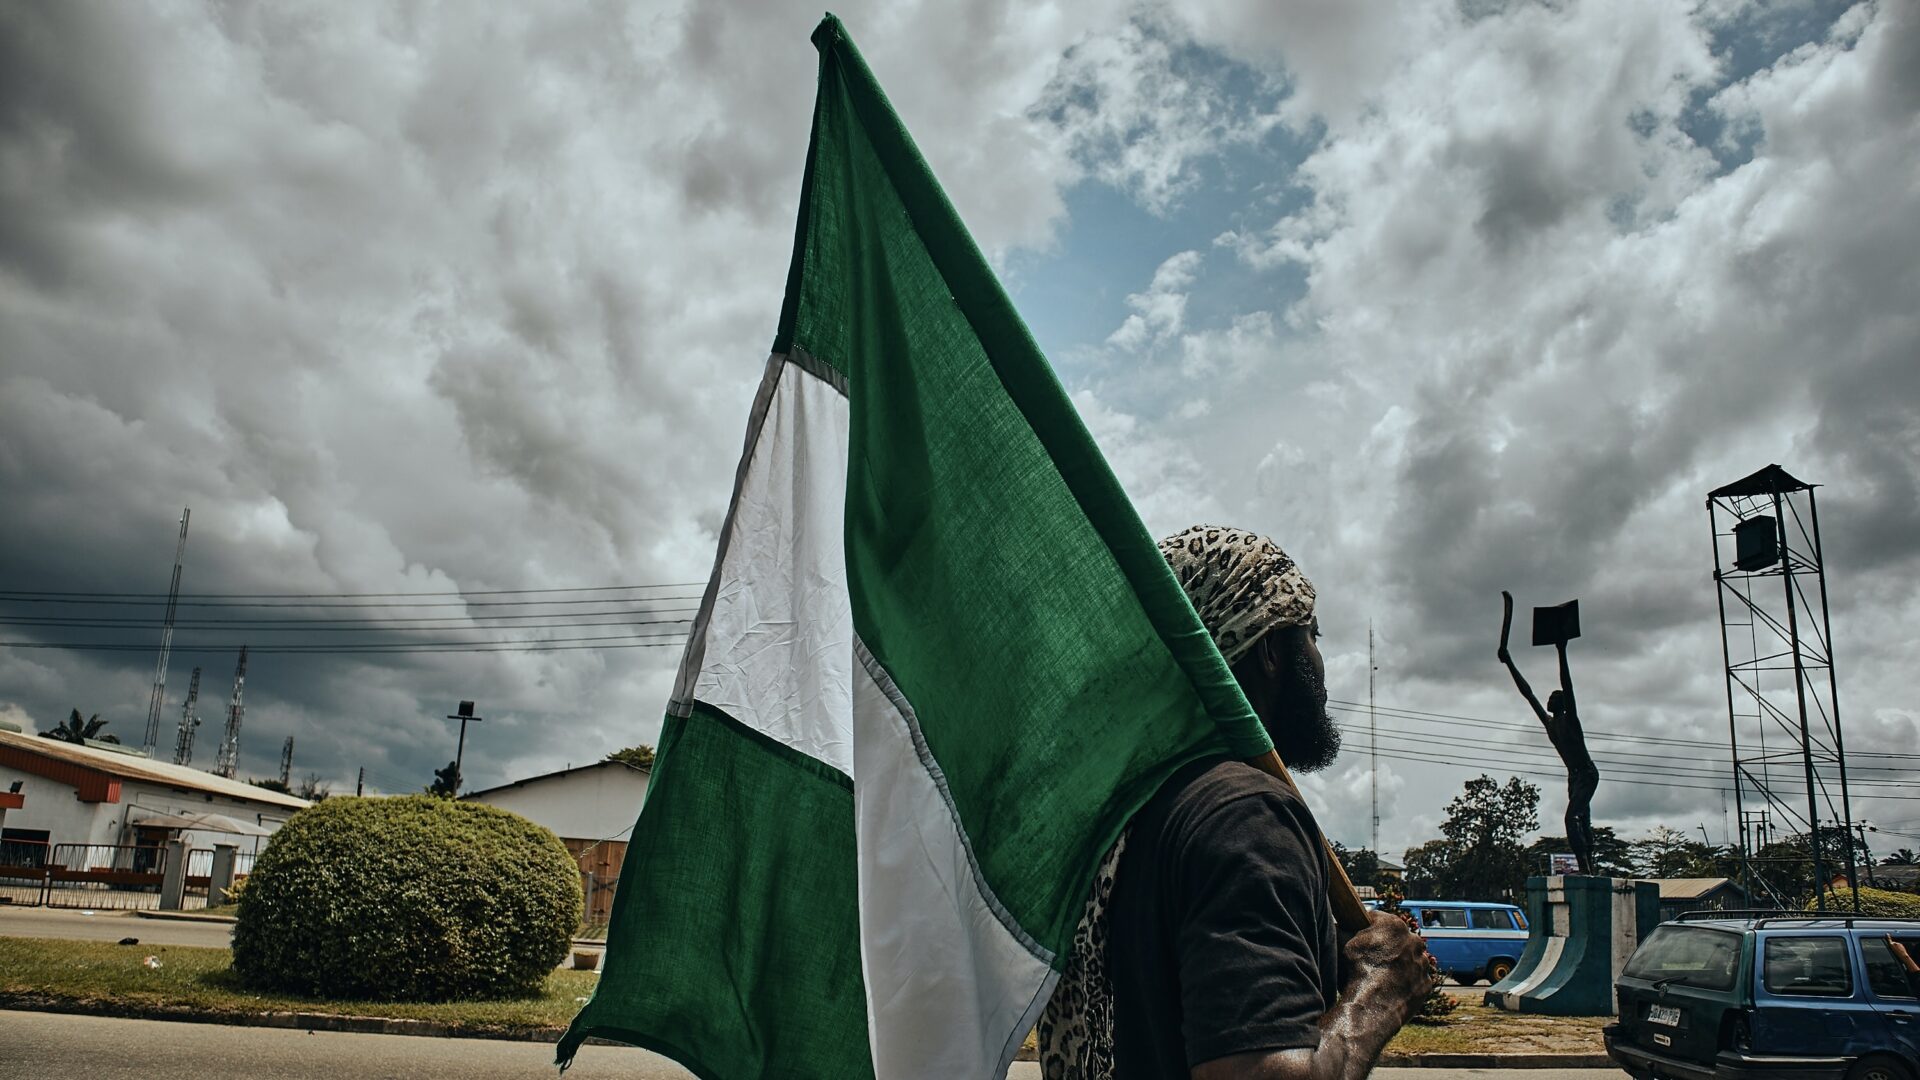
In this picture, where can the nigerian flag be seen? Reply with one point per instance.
(938, 665)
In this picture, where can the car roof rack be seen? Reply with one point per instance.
(1759, 917)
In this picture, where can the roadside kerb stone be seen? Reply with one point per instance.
(188, 916)
(380, 1025)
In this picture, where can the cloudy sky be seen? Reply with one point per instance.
(1447, 297)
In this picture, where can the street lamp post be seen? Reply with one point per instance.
(463, 714)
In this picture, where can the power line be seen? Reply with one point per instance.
(34, 593)
(1439, 717)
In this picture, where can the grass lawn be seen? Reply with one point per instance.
(1477, 1029)
(114, 979)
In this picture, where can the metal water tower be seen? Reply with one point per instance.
(1783, 701)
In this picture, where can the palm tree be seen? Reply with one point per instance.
(1903, 857)
(76, 730)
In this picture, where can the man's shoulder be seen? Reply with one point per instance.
(1206, 785)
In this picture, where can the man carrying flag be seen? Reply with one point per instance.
(1208, 945)
(937, 668)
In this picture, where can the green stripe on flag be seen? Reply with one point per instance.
(997, 570)
(734, 942)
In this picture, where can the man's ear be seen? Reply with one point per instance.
(1272, 653)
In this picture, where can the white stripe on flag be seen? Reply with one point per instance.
(951, 990)
(778, 653)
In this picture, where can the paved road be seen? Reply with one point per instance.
(110, 926)
(34, 1046)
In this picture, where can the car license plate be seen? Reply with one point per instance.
(1664, 1014)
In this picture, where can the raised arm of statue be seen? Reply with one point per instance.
(1566, 680)
(1519, 680)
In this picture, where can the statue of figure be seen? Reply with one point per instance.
(1562, 720)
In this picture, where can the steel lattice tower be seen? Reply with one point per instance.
(286, 762)
(157, 701)
(229, 757)
(189, 719)
(1783, 700)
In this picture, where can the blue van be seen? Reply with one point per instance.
(1470, 939)
(1801, 995)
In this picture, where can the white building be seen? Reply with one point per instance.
(592, 809)
(73, 794)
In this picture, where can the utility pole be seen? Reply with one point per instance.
(1373, 742)
(286, 763)
(229, 757)
(189, 719)
(462, 714)
(157, 701)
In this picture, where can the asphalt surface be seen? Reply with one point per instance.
(36, 1046)
(72, 925)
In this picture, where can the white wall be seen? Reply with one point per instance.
(591, 804)
(52, 805)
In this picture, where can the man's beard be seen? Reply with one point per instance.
(1303, 733)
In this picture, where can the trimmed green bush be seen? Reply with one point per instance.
(1883, 903)
(407, 899)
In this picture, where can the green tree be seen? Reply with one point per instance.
(1903, 857)
(1612, 856)
(1484, 825)
(638, 756)
(1669, 853)
(76, 730)
(446, 782)
(272, 783)
(1361, 864)
(1429, 870)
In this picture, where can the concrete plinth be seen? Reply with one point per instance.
(1581, 931)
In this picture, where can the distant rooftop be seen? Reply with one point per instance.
(133, 766)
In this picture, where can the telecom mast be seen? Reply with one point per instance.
(1373, 743)
(152, 739)
(189, 719)
(286, 762)
(229, 757)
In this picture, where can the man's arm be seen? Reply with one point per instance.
(1391, 974)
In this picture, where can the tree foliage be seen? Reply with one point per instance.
(75, 730)
(1479, 855)
(272, 783)
(1361, 864)
(638, 756)
(412, 899)
(446, 782)
(1669, 853)
(1612, 856)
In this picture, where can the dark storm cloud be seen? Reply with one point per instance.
(419, 297)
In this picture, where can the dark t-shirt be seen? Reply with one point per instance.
(1222, 939)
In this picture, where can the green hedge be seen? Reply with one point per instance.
(1884, 903)
(407, 899)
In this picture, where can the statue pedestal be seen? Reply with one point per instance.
(1581, 930)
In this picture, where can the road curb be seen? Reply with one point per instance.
(184, 916)
(381, 1025)
(1494, 1061)
(297, 1021)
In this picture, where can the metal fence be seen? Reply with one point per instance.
(23, 871)
(105, 877)
(111, 877)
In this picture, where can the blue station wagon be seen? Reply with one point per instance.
(1471, 940)
(1774, 995)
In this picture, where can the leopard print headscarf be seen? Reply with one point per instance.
(1241, 584)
